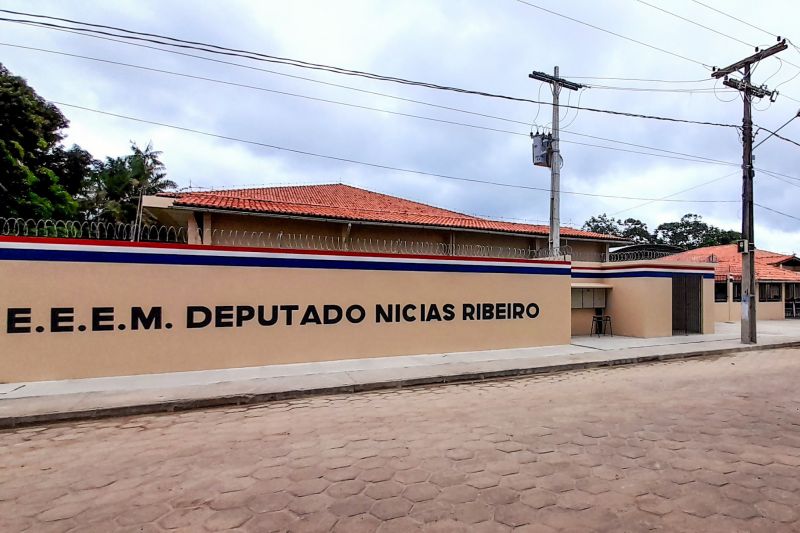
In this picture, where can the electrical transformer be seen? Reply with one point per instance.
(541, 149)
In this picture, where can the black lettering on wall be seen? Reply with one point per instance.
(311, 316)
(408, 312)
(289, 310)
(243, 314)
(355, 314)
(19, 319)
(192, 321)
(383, 314)
(151, 320)
(532, 310)
(272, 319)
(223, 316)
(331, 314)
(61, 319)
(102, 318)
(449, 312)
(468, 312)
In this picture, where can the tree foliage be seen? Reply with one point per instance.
(115, 188)
(688, 232)
(34, 167)
(40, 178)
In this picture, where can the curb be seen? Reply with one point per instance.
(171, 406)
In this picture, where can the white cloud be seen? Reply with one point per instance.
(475, 44)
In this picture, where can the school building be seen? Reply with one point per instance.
(777, 283)
(253, 277)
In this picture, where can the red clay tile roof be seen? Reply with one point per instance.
(729, 262)
(344, 202)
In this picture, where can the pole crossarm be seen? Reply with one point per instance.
(758, 56)
(547, 78)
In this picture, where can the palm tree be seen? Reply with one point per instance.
(118, 184)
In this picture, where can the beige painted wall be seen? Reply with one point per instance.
(51, 356)
(708, 307)
(642, 306)
(582, 321)
(731, 311)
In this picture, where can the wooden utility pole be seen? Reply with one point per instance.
(554, 239)
(747, 246)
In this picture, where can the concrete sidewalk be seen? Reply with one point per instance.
(37, 402)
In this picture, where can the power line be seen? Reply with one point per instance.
(681, 155)
(776, 211)
(734, 18)
(530, 4)
(781, 137)
(690, 21)
(676, 193)
(770, 175)
(366, 163)
(215, 49)
(771, 34)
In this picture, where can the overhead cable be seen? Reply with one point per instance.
(683, 156)
(776, 211)
(215, 49)
(530, 4)
(366, 163)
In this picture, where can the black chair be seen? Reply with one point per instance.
(601, 324)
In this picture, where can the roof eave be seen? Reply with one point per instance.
(378, 223)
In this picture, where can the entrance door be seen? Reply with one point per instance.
(686, 303)
(793, 300)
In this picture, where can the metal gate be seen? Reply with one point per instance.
(686, 303)
(792, 300)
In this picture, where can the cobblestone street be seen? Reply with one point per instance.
(702, 445)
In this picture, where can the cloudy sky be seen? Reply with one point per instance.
(475, 44)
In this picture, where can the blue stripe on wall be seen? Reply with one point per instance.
(652, 274)
(22, 254)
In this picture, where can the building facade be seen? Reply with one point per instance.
(777, 283)
(344, 214)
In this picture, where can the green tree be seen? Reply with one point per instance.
(603, 224)
(636, 231)
(691, 232)
(117, 184)
(630, 229)
(33, 164)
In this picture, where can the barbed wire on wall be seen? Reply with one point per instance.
(111, 231)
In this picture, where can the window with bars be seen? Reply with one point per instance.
(769, 292)
(721, 291)
(737, 291)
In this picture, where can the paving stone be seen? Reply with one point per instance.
(352, 506)
(459, 494)
(391, 508)
(472, 512)
(556, 483)
(320, 522)
(357, 524)
(344, 489)
(483, 480)
(384, 489)
(498, 495)
(654, 504)
(514, 514)
(420, 492)
(777, 511)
